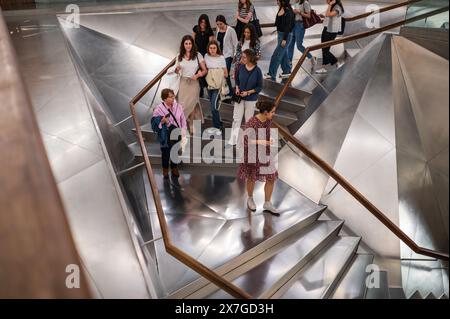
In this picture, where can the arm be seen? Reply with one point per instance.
(237, 57)
(249, 16)
(234, 39)
(289, 17)
(225, 72)
(330, 12)
(258, 50)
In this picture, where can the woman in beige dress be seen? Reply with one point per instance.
(190, 66)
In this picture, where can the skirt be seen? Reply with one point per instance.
(188, 97)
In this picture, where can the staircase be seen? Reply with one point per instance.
(308, 257)
(289, 112)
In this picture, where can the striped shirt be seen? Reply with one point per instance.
(243, 12)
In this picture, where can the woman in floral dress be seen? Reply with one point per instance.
(258, 164)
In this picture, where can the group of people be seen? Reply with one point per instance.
(290, 24)
(205, 61)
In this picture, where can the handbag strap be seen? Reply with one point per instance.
(175, 119)
(254, 17)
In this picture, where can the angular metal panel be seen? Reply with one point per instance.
(426, 76)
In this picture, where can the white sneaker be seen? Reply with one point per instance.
(285, 75)
(339, 64)
(321, 71)
(267, 76)
(251, 204)
(213, 131)
(268, 207)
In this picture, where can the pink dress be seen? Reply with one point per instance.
(256, 167)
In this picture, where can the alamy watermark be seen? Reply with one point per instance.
(373, 20)
(73, 17)
(73, 279)
(253, 146)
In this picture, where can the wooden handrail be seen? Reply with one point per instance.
(362, 15)
(384, 9)
(349, 38)
(330, 170)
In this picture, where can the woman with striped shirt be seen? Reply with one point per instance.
(244, 15)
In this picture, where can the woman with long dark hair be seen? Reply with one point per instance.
(203, 33)
(284, 23)
(244, 15)
(227, 38)
(302, 9)
(332, 24)
(190, 66)
(249, 40)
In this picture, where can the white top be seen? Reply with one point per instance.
(246, 45)
(334, 24)
(215, 62)
(304, 8)
(189, 68)
(230, 42)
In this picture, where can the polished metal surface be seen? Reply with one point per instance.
(281, 262)
(381, 292)
(385, 129)
(353, 283)
(325, 131)
(322, 273)
(206, 212)
(76, 156)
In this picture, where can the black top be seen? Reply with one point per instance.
(220, 36)
(285, 23)
(202, 39)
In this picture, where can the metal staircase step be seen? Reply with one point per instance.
(226, 159)
(415, 295)
(202, 287)
(430, 296)
(381, 292)
(319, 278)
(350, 53)
(226, 113)
(397, 293)
(353, 283)
(266, 273)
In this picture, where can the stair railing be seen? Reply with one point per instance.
(330, 170)
(188, 260)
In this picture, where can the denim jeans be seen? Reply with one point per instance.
(165, 152)
(280, 57)
(298, 34)
(228, 61)
(214, 99)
